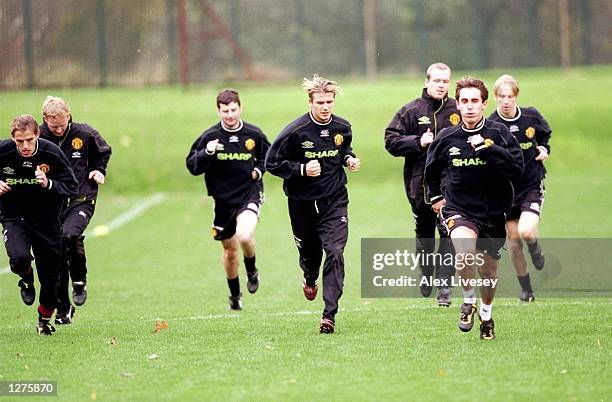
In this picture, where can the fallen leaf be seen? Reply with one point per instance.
(114, 341)
(128, 375)
(153, 356)
(563, 371)
(442, 373)
(25, 366)
(160, 325)
(19, 354)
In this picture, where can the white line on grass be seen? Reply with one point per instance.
(121, 220)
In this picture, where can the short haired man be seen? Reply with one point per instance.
(310, 155)
(533, 133)
(479, 159)
(88, 154)
(35, 182)
(409, 135)
(231, 156)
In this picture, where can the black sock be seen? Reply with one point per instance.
(234, 286)
(525, 283)
(249, 263)
(534, 247)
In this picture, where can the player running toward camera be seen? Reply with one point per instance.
(310, 155)
(409, 135)
(35, 182)
(478, 159)
(231, 156)
(533, 133)
(88, 154)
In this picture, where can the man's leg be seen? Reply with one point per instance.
(528, 231)
(230, 265)
(464, 243)
(445, 268)
(425, 241)
(246, 222)
(515, 245)
(488, 270)
(333, 231)
(303, 225)
(17, 244)
(75, 221)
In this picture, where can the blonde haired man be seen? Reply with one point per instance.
(310, 154)
(88, 154)
(533, 133)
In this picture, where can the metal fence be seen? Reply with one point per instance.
(50, 43)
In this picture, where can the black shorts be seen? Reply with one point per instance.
(76, 217)
(532, 201)
(491, 231)
(224, 224)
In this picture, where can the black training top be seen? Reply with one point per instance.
(477, 181)
(27, 199)
(304, 140)
(531, 130)
(86, 150)
(227, 172)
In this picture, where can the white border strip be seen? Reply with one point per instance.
(120, 220)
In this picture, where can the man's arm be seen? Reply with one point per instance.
(62, 180)
(400, 138)
(199, 158)
(279, 159)
(260, 157)
(506, 158)
(543, 134)
(434, 165)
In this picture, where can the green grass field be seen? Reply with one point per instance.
(164, 266)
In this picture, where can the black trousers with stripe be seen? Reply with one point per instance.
(322, 226)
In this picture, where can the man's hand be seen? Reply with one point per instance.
(475, 140)
(427, 138)
(96, 176)
(542, 153)
(313, 168)
(214, 146)
(4, 188)
(254, 175)
(353, 164)
(41, 177)
(436, 206)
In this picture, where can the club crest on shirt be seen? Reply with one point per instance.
(249, 144)
(338, 139)
(77, 143)
(454, 151)
(44, 168)
(454, 119)
(530, 132)
(307, 144)
(325, 133)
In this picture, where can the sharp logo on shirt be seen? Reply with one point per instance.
(325, 133)
(234, 156)
(424, 120)
(454, 151)
(8, 170)
(76, 154)
(526, 145)
(461, 162)
(321, 154)
(43, 167)
(307, 144)
(77, 143)
(454, 119)
(27, 164)
(530, 132)
(11, 181)
(233, 138)
(249, 144)
(338, 139)
(514, 128)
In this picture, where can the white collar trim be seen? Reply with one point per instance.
(515, 118)
(232, 130)
(318, 122)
